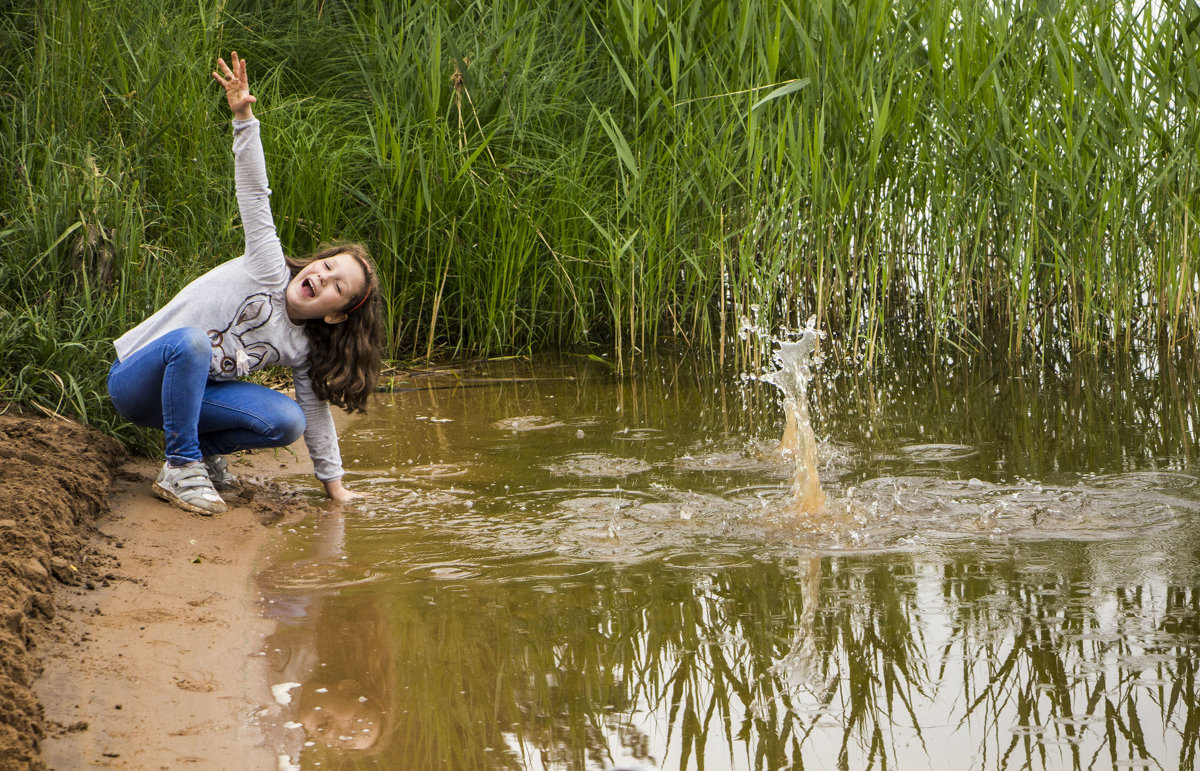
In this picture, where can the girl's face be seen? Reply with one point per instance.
(324, 288)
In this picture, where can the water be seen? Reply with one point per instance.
(560, 570)
(792, 374)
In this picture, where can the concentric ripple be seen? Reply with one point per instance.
(598, 465)
(313, 575)
(527, 423)
(937, 453)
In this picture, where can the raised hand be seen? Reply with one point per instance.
(237, 87)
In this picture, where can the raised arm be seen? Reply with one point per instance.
(264, 254)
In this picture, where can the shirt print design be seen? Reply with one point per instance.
(232, 355)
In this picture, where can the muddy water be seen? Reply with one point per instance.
(559, 569)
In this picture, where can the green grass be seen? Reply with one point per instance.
(613, 176)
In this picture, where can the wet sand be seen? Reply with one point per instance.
(142, 619)
(160, 665)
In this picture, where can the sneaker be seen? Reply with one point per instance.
(189, 488)
(219, 474)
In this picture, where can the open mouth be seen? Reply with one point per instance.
(307, 289)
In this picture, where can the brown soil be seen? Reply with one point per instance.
(128, 628)
(54, 485)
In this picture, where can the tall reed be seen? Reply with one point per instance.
(557, 175)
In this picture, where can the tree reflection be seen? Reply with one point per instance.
(1107, 675)
(1024, 661)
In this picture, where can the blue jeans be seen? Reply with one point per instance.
(165, 385)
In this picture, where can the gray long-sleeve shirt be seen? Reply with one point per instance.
(240, 304)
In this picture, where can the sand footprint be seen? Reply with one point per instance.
(195, 682)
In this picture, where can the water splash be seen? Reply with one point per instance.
(794, 359)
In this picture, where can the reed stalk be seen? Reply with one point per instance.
(615, 176)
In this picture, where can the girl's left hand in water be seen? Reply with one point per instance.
(334, 489)
(237, 86)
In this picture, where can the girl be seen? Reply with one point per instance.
(178, 369)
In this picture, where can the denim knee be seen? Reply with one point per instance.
(288, 425)
(195, 342)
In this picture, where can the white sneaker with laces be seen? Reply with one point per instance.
(189, 488)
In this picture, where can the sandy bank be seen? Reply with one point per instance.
(141, 619)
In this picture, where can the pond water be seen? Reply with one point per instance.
(559, 568)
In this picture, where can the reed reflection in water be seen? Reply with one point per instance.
(563, 572)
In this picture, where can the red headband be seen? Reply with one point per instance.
(360, 302)
(367, 276)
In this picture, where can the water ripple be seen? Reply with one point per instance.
(598, 465)
(937, 453)
(444, 571)
(638, 434)
(1146, 480)
(313, 575)
(725, 461)
(527, 423)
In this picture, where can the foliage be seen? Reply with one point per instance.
(610, 175)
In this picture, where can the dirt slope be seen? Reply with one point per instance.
(54, 482)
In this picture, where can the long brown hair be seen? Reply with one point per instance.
(345, 358)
